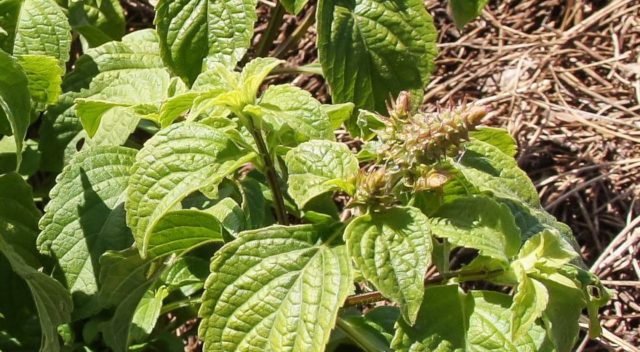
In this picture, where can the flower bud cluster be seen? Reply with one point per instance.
(425, 138)
(412, 148)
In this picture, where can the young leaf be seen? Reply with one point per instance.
(489, 327)
(99, 21)
(15, 106)
(45, 77)
(392, 249)
(146, 314)
(194, 33)
(182, 230)
(489, 169)
(338, 113)
(174, 163)
(35, 27)
(464, 11)
(314, 165)
(546, 250)
(285, 108)
(372, 49)
(497, 137)
(478, 222)
(51, 299)
(529, 303)
(277, 288)
(85, 218)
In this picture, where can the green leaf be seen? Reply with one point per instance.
(18, 216)
(15, 106)
(99, 21)
(142, 91)
(230, 216)
(489, 327)
(35, 27)
(45, 77)
(147, 314)
(464, 11)
(450, 320)
(188, 273)
(294, 6)
(85, 218)
(277, 288)
(292, 115)
(489, 169)
(61, 129)
(371, 50)
(176, 162)
(497, 137)
(478, 222)
(253, 74)
(182, 230)
(124, 279)
(313, 165)
(392, 249)
(338, 113)
(529, 302)
(562, 314)
(444, 333)
(373, 331)
(194, 33)
(545, 251)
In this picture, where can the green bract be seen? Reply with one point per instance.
(179, 186)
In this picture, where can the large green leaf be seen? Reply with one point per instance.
(497, 137)
(15, 105)
(315, 167)
(478, 222)
(491, 170)
(99, 21)
(450, 320)
(182, 230)
(292, 115)
(373, 49)
(140, 91)
(174, 163)
(275, 289)
(17, 218)
(61, 129)
(35, 27)
(86, 217)
(194, 33)
(392, 249)
(464, 11)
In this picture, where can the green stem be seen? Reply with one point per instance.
(310, 69)
(272, 30)
(272, 177)
(360, 340)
